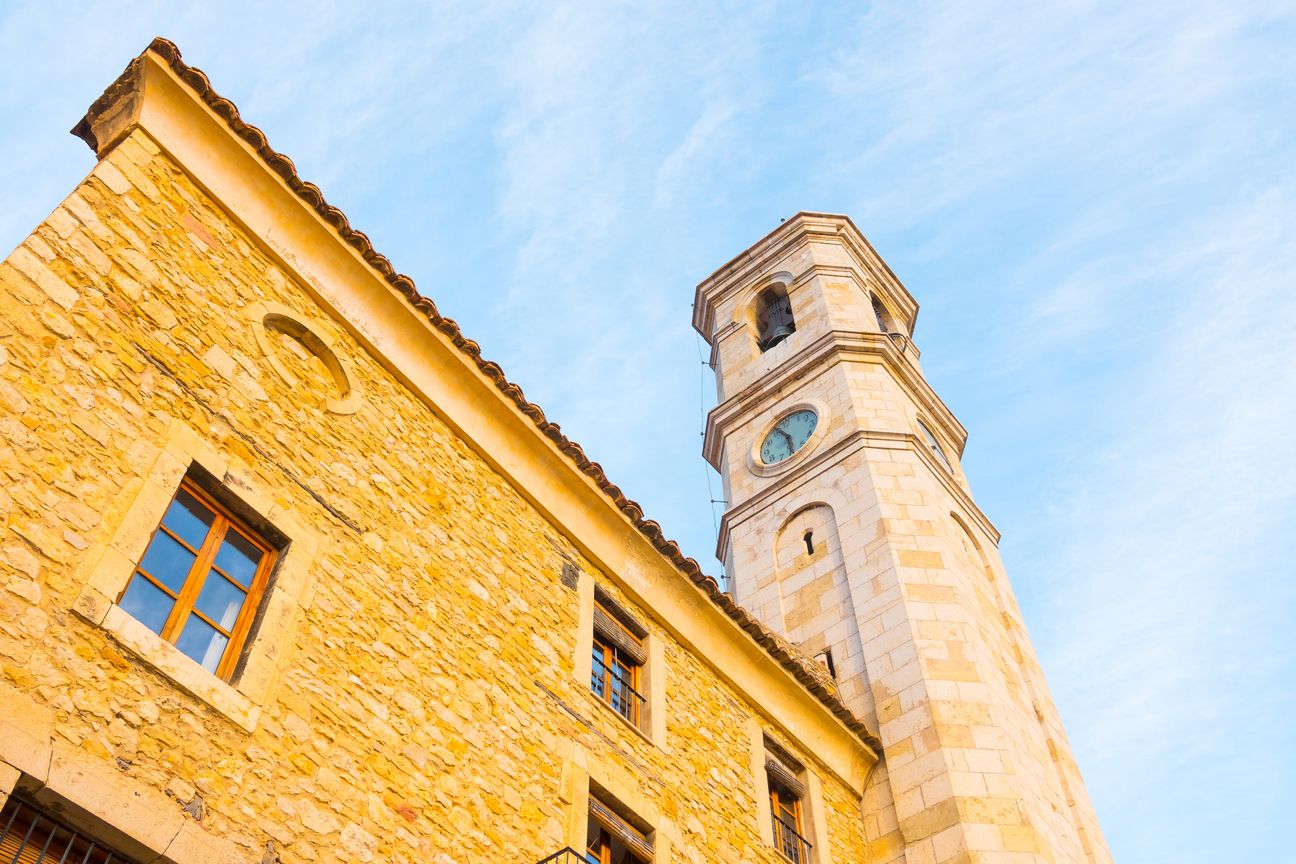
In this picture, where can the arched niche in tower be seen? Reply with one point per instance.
(772, 315)
(812, 580)
(815, 596)
(885, 320)
(972, 547)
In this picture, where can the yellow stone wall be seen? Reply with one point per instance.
(424, 702)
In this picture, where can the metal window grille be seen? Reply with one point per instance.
(611, 683)
(788, 841)
(31, 836)
(564, 856)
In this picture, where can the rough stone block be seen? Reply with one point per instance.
(26, 728)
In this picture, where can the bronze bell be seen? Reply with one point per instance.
(775, 334)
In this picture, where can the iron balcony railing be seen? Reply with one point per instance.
(793, 846)
(565, 856)
(612, 685)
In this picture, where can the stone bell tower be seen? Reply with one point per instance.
(851, 530)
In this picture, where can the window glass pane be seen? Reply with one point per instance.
(147, 603)
(934, 446)
(188, 518)
(220, 600)
(167, 561)
(620, 685)
(597, 679)
(202, 642)
(238, 557)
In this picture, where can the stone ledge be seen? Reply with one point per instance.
(167, 660)
(193, 844)
(119, 809)
(8, 779)
(113, 807)
(142, 819)
(26, 728)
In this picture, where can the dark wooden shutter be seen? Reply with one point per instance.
(622, 830)
(614, 634)
(783, 776)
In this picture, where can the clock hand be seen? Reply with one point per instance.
(791, 446)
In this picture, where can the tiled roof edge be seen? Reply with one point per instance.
(788, 656)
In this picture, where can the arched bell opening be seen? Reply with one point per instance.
(774, 321)
(886, 323)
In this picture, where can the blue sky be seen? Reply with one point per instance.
(1093, 202)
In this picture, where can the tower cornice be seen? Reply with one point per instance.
(803, 228)
(833, 454)
(833, 346)
(815, 269)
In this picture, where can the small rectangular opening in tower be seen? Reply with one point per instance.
(825, 659)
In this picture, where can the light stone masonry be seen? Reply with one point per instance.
(904, 586)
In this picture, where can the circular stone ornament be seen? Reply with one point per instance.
(275, 318)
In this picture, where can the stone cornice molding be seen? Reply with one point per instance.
(839, 450)
(814, 269)
(803, 228)
(834, 346)
(402, 330)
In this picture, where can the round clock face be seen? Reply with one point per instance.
(788, 436)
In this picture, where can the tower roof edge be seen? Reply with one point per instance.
(738, 270)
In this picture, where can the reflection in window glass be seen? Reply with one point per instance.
(238, 557)
(167, 561)
(934, 446)
(202, 642)
(199, 580)
(188, 519)
(147, 604)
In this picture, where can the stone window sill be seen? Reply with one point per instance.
(621, 717)
(167, 660)
(106, 570)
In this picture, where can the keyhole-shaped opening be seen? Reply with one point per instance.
(809, 541)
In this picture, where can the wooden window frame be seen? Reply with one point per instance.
(612, 659)
(601, 850)
(600, 847)
(608, 827)
(182, 607)
(789, 804)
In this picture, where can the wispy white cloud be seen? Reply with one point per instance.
(1122, 173)
(1092, 200)
(1172, 587)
